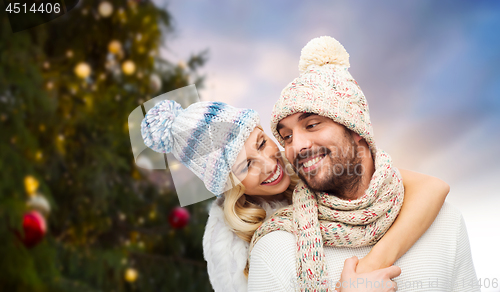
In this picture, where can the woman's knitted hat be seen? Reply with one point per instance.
(206, 137)
(326, 88)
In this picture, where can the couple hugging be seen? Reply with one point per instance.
(329, 213)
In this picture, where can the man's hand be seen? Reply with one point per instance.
(367, 264)
(378, 280)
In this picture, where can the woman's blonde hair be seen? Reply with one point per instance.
(243, 213)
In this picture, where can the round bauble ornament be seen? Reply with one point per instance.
(39, 203)
(131, 275)
(105, 9)
(34, 228)
(82, 70)
(179, 217)
(155, 83)
(128, 67)
(114, 47)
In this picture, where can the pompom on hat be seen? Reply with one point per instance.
(206, 137)
(156, 128)
(325, 87)
(321, 51)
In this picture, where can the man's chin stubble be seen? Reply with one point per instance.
(336, 185)
(314, 183)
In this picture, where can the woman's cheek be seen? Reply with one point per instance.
(252, 179)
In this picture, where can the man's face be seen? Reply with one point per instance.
(323, 153)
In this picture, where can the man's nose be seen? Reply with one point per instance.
(301, 144)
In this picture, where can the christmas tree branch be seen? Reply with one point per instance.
(169, 259)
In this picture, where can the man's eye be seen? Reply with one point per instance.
(287, 138)
(312, 126)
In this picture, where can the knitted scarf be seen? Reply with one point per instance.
(321, 218)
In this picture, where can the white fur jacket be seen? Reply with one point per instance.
(226, 254)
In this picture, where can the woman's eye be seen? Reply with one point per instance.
(262, 144)
(244, 169)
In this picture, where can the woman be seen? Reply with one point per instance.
(249, 192)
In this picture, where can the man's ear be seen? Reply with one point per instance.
(356, 137)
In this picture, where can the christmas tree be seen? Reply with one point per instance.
(78, 214)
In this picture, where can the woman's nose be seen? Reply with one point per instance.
(268, 159)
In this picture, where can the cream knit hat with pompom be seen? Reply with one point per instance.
(326, 88)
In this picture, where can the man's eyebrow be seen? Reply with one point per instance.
(279, 127)
(301, 117)
(304, 116)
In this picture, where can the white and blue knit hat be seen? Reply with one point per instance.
(206, 137)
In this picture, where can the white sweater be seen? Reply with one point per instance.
(439, 261)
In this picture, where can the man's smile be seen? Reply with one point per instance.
(311, 163)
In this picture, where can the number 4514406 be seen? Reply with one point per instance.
(42, 8)
(483, 283)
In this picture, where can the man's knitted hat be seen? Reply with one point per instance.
(206, 137)
(326, 88)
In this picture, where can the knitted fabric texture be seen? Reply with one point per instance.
(206, 137)
(442, 254)
(321, 218)
(325, 87)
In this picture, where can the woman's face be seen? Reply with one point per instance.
(259, 166)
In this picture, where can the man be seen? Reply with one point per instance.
(322, 120)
